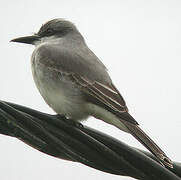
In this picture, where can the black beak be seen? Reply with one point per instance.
(27, 39)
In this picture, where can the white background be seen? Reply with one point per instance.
(139, 42)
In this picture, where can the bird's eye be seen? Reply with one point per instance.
(49, 31)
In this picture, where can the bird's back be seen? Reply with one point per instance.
(70, 55)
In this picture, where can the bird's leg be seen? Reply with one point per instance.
(69, 121)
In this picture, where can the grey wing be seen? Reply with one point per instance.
(85, 70)
(106, 96)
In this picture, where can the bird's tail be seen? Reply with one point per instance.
(144, 139)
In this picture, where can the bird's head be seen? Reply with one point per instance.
(52, 29)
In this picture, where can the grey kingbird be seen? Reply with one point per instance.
(75, 83)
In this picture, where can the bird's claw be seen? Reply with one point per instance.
(69, 121)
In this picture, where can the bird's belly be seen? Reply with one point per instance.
(61, 103)
(60, 94)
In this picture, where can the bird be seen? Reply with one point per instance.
(76, 84)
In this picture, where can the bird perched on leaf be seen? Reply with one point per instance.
(76, 84)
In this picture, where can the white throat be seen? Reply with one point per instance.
(49, 39)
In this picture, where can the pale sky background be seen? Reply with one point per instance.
(139, 42)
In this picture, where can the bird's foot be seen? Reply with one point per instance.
(70, 121)
(75, 123)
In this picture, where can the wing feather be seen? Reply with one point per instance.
(106, 96)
